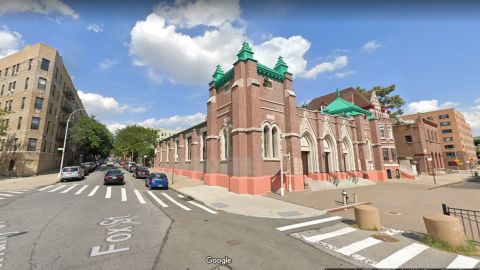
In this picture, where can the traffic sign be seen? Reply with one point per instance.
(60, 149)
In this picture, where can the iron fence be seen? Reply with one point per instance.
(470, 220)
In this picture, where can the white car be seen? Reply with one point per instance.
(73, 172)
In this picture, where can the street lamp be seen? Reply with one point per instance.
(65, 140)
(144, 159)
(433, 170)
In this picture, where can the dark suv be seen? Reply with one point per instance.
(114, 176)
(141, 172)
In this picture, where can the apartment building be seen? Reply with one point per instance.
(455, 137)
(164, 133)
(38, 94)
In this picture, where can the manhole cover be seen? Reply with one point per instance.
(393, 213)
(233, 242)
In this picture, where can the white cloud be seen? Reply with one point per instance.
(371, 46)
(175, 122)
(95, 28)
(107, 63)
(10, 42)
(341, 75)
(158, 43)
(45, 7)
(113, 127)
(428, 105)
(101, 106)
(472, 116)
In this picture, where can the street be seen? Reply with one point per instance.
(85, 225)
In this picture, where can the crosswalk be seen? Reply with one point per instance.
(11, 193)
(360, 248)
(110, 193)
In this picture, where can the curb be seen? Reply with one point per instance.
(446, 185)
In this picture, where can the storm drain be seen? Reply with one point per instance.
(393, 213)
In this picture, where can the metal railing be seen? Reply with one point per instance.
(470, 220)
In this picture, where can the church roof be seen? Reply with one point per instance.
(341, 106)
(349, 94)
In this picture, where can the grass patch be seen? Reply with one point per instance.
(385, 238)
(469, 248)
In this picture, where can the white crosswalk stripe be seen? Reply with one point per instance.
(81, 190)
(162, 204)
(323, 236)
(57, 188)
(181, 196)
(401, 256)
(175, 202)
(108, 194)
(94, 190)
(70, 188)
(15, 192)
(203, 207)
(463, 262)
(42, 189)
(6, 195)
(359, 245)
(124, 195)
(1, 198)
(139, 197)
(308, 223)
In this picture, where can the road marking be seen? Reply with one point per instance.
(24, 190)
(157, 199)
(5, 194)
(42, 189)
(175, 202)
(14, 192)
(124, 195)
(359, 245)
(81, 190)
(70, 188)
(203, 207)
(1, 198)
(108, 194)
(401, 256)
(93, 191)
(57, 188)
(308, 223)
(463, 262)
(181, 196)
(139, 197)
(323, 236)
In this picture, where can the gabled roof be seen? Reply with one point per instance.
(341, 106)
(349, 94)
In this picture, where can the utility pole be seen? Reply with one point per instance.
(65, 141)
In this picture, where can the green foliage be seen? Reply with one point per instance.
(135, 139)
(92, 137)
(3, 127)
(469, 248)
(392, 102)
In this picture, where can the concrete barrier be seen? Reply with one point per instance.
(367, 217)
(445, 228)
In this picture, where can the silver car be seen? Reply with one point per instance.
(72, 173)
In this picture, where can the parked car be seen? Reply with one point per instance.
(109, 163)
(141, 172)
(156, 180)
(85, 169)
(70, 173)
(133, 168)
(129, 166)
(114, 176)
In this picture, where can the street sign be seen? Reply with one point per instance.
(60, 149)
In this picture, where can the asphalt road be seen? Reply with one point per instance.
(86, 225)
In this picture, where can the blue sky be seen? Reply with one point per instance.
(150, 62)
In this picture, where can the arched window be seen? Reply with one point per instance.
(226, 143)
(167, 157)
(368, 151)
(275, 144)
(266, 141)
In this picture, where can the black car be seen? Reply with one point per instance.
(114, 176)
(141, 172)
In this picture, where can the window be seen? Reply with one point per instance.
(51, 106)
(10, 105)
(6, 72)
(19, 124)
(32, 144)
(56, 73)
(204, 145)
(38, 103)
(188, 150)
(389, 133)
(167, 157)
(23, 103)
(443, 124)
(35, 123)
(394, 154)
(451, 154)
(45, 64)
(408, 139)
(449, 146)
(444, 131)
(275, 140)
(3, 88)
(226, 143)
(18, 66)
(176, 151)
(42, 83)
(428, 135)
(266, 141)
(26, 83)
(443, 116)
(369, 150)
(448, 139)
(14, 85)
(385, 154)
(15, 144)
(430, 118)
(11, 165)
(382, 132)
(48, 127)
(30, 64)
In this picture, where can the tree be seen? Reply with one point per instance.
(92, 137)
(392, 102)
(135, 140)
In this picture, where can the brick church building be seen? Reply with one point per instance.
(253, 123)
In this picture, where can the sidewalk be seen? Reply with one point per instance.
(243, 204)
(28, 182)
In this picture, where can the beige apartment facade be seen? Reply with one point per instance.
(455, 136)
(38, 94)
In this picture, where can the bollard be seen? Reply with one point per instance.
(344, 197)
(355, 199)
(445, 228)
(367, 217)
